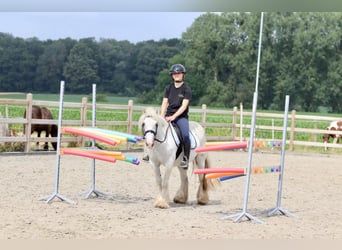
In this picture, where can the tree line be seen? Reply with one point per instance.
(301, 56)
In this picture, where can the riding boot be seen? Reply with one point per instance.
(185, 162)
(146, 158)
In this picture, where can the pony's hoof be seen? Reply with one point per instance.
(179, 200)
(204, 202)
(161, 204)
(203, 199)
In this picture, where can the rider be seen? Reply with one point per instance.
(175, 107)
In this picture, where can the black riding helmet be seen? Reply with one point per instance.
(177, 68)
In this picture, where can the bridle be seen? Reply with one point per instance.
(154, 132)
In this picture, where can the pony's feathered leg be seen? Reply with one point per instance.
(162, 184)
(183, 191)
(202, 192)
(205, 185)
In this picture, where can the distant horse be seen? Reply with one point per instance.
(334, 126)
(161, 142)
(50, 129)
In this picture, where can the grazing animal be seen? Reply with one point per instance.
(162, 145)
(334, 126)
(50, 129)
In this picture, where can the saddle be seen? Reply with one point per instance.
(177, 137)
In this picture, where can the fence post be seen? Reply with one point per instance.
(241, 120)
(84, 111)
(28, 124)
(4, 127)
(204, 113)
(6, 111)
(293, 120)
(83, 117)
(234, 123)
(130, 119)
(315, 127)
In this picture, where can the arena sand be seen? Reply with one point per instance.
(311, 191)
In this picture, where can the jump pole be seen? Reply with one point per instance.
(56, 193)
(93, 190)
(244, 212)
(278, 207)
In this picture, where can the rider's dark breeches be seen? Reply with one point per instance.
(183, 125)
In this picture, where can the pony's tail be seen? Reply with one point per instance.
(210, 184)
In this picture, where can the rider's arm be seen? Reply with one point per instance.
(164, 105)
(181, 109)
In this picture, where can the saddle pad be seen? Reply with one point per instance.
(177, 140)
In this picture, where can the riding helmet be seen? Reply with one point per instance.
(177, 68)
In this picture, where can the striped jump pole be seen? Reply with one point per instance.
(222, 146)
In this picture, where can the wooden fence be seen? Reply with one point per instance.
(303, 130)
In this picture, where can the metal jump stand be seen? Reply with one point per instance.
(278, 207)
(249, 168)
(93, 192)
(251, 139)
(56, 193)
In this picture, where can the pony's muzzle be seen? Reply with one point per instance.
(149, 144)
(149, 138)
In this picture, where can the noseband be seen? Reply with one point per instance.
(151, 131)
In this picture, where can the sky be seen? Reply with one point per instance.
(131, 26)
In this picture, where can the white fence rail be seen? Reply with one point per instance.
(236, 127)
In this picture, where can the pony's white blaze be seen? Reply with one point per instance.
(150, 126)
(162, 145)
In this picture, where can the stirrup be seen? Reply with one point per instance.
(184, 163)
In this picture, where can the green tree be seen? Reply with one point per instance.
(113, 65)
(221, 50)
(50, 66)
(18, 62)
(81, 68)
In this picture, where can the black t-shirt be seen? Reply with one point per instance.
(175, 97)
